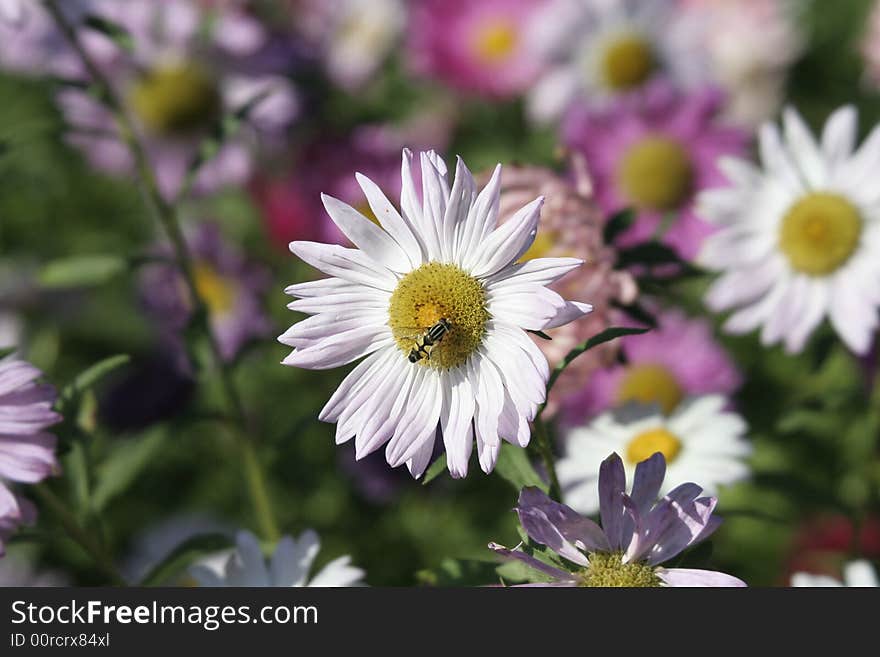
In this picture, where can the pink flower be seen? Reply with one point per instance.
(871, 47)
(27, 450)
(654, 153)
(678, 359)
(482, 47)
(571, 225)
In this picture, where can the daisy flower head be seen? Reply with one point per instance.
(678, 359)
(289, 566)
(600, 50)
(435, 301)
(654, 155)
(230, 286)
(799, 236)
(480, 47)
(638, 532)
(858, 573)
(27, 449)
(353, 37)
(189, 65)
(699, 440)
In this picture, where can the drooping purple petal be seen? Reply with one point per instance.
(691, 577)
(532, 562)
(581, 532)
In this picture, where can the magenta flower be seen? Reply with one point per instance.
(27, 450)
(230, 286)
(637, 535)
(654, 153)
(678, 359)
(481, 47)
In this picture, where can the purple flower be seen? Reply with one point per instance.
(230, 286)
(654, 152)
(27, 451)
(637, 535)
(679, 359)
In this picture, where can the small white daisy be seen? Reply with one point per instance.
(855, 574)
(799, 237)
(289, 565)
(436, 300)
(600, 49)
(699, 440)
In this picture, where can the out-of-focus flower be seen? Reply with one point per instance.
(230, 286)
(31, 44)
(27, 450)
(289, 565)
(858, 573)
(800, 236)
(603, 49)
(678, 359)
(353, 37)
(16, 569)
(638, 532)
(654, 154)
(700, 439)
(10, 329)
(571, 225)
(871, 47)
(13, 12)
(824, 544)
(291, 205)
(481, 47)
(437, 302)
(187, 68)
(750, 45)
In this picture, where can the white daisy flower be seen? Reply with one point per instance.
(855, 574)
(699, 440)
(289, 565)
(799, 237)
(600, 49)
(436, 300)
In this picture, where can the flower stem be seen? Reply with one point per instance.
(92, 547)
(546, 451)
(167, 216)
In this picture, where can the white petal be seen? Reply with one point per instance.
(509, 241)
(456, 419)
(403, 232)
(804, 149)
(348, 264)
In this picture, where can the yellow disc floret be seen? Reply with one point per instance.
(649, 442)
(433, 292)
(216, 292)
(176, 99)
(656, 174)
(819, 233)
(495, 42)
(650, 384)
(607, 569)
(627, 62)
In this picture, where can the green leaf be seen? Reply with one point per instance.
(459, 572)
(87, 379)
(617, 223)
(649, 253)
(638, 313)
(515, 468)
(540, 334)
(605, 336)
(81, 271)
(184, 555)
(122, 466)
(437, 468)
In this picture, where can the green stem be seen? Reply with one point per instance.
(92, 547)
(546, 451)
(167, 215)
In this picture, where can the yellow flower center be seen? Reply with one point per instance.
(433, 292)
(495, 41)
(627, 62)
(608, 570)
(217, 292)
(176, 99)
(649, 442)
(656, 174)
(819, 233)
(650, 384)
